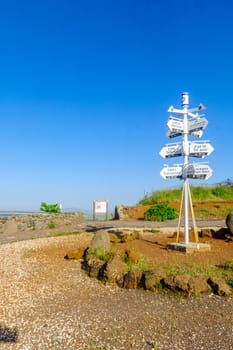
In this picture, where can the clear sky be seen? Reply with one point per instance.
(84, 92)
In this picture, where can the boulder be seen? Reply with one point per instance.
(151, 280)
(222, 233)
(123, 236)
(95, 266)
(115, 270)
(75, 254)
(206, 232)
(132, 256)
(100, 242)
(186, 284)
(229, 222)
(132, 279)
(220, 287)
(128, 236)
(198, 285)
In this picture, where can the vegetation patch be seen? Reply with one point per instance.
(222, 192)
(99, 253)
(51, 225)
(160, 212)
(59, 234)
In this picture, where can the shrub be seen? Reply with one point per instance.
(51, 225)
(160, 212)
(49, 208)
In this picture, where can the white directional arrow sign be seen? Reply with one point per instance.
(175, 125)
(200, 150)
(197, 124)
(198, 133)
(172, 150)
(172, 172)
(201, 171)
(171, 134)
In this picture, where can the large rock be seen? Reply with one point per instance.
(220, 287)
(75, 254)
(229, 222)
(95, 266)
(151, 280)
(132, 256)
(132, 279)
(198, 285)
(96, 255)
(186, 284)
(115, 270)
(100, 242)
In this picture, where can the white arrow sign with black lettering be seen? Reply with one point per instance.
(197, 124)
(201, 171)
(172, 150)
(171, 134)
(175, 125)
(200, 150)
(198, 133)
(172, 172)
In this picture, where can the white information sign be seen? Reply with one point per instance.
(198, 133)
(171, 134)
(197, 124)
(100, 206)
(172, 172)
(172, 150)
(200, 150)
(175, 125)
(200, 171)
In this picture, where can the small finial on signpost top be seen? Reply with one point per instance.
(185, 99)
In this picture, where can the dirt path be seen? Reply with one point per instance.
(95, 225)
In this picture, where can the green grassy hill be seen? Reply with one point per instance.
(222, 192)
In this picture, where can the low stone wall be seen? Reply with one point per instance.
(39, 222)
(130, 212)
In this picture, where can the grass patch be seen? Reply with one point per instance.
(154, 231)
(101, 254)
(51, 225)
(199, 193)
(141, 264)
(204, 213)
(208, 270)
(60, 234)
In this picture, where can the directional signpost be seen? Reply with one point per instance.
(187, 122)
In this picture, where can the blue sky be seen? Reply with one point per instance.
(84, 92)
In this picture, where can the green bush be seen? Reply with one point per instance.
(49, 208)
(160, 212)
(51, 225)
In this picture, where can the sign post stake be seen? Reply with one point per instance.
(185, 104)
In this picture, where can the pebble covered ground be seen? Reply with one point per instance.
(47, 302)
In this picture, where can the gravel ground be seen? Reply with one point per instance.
(47, 302)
